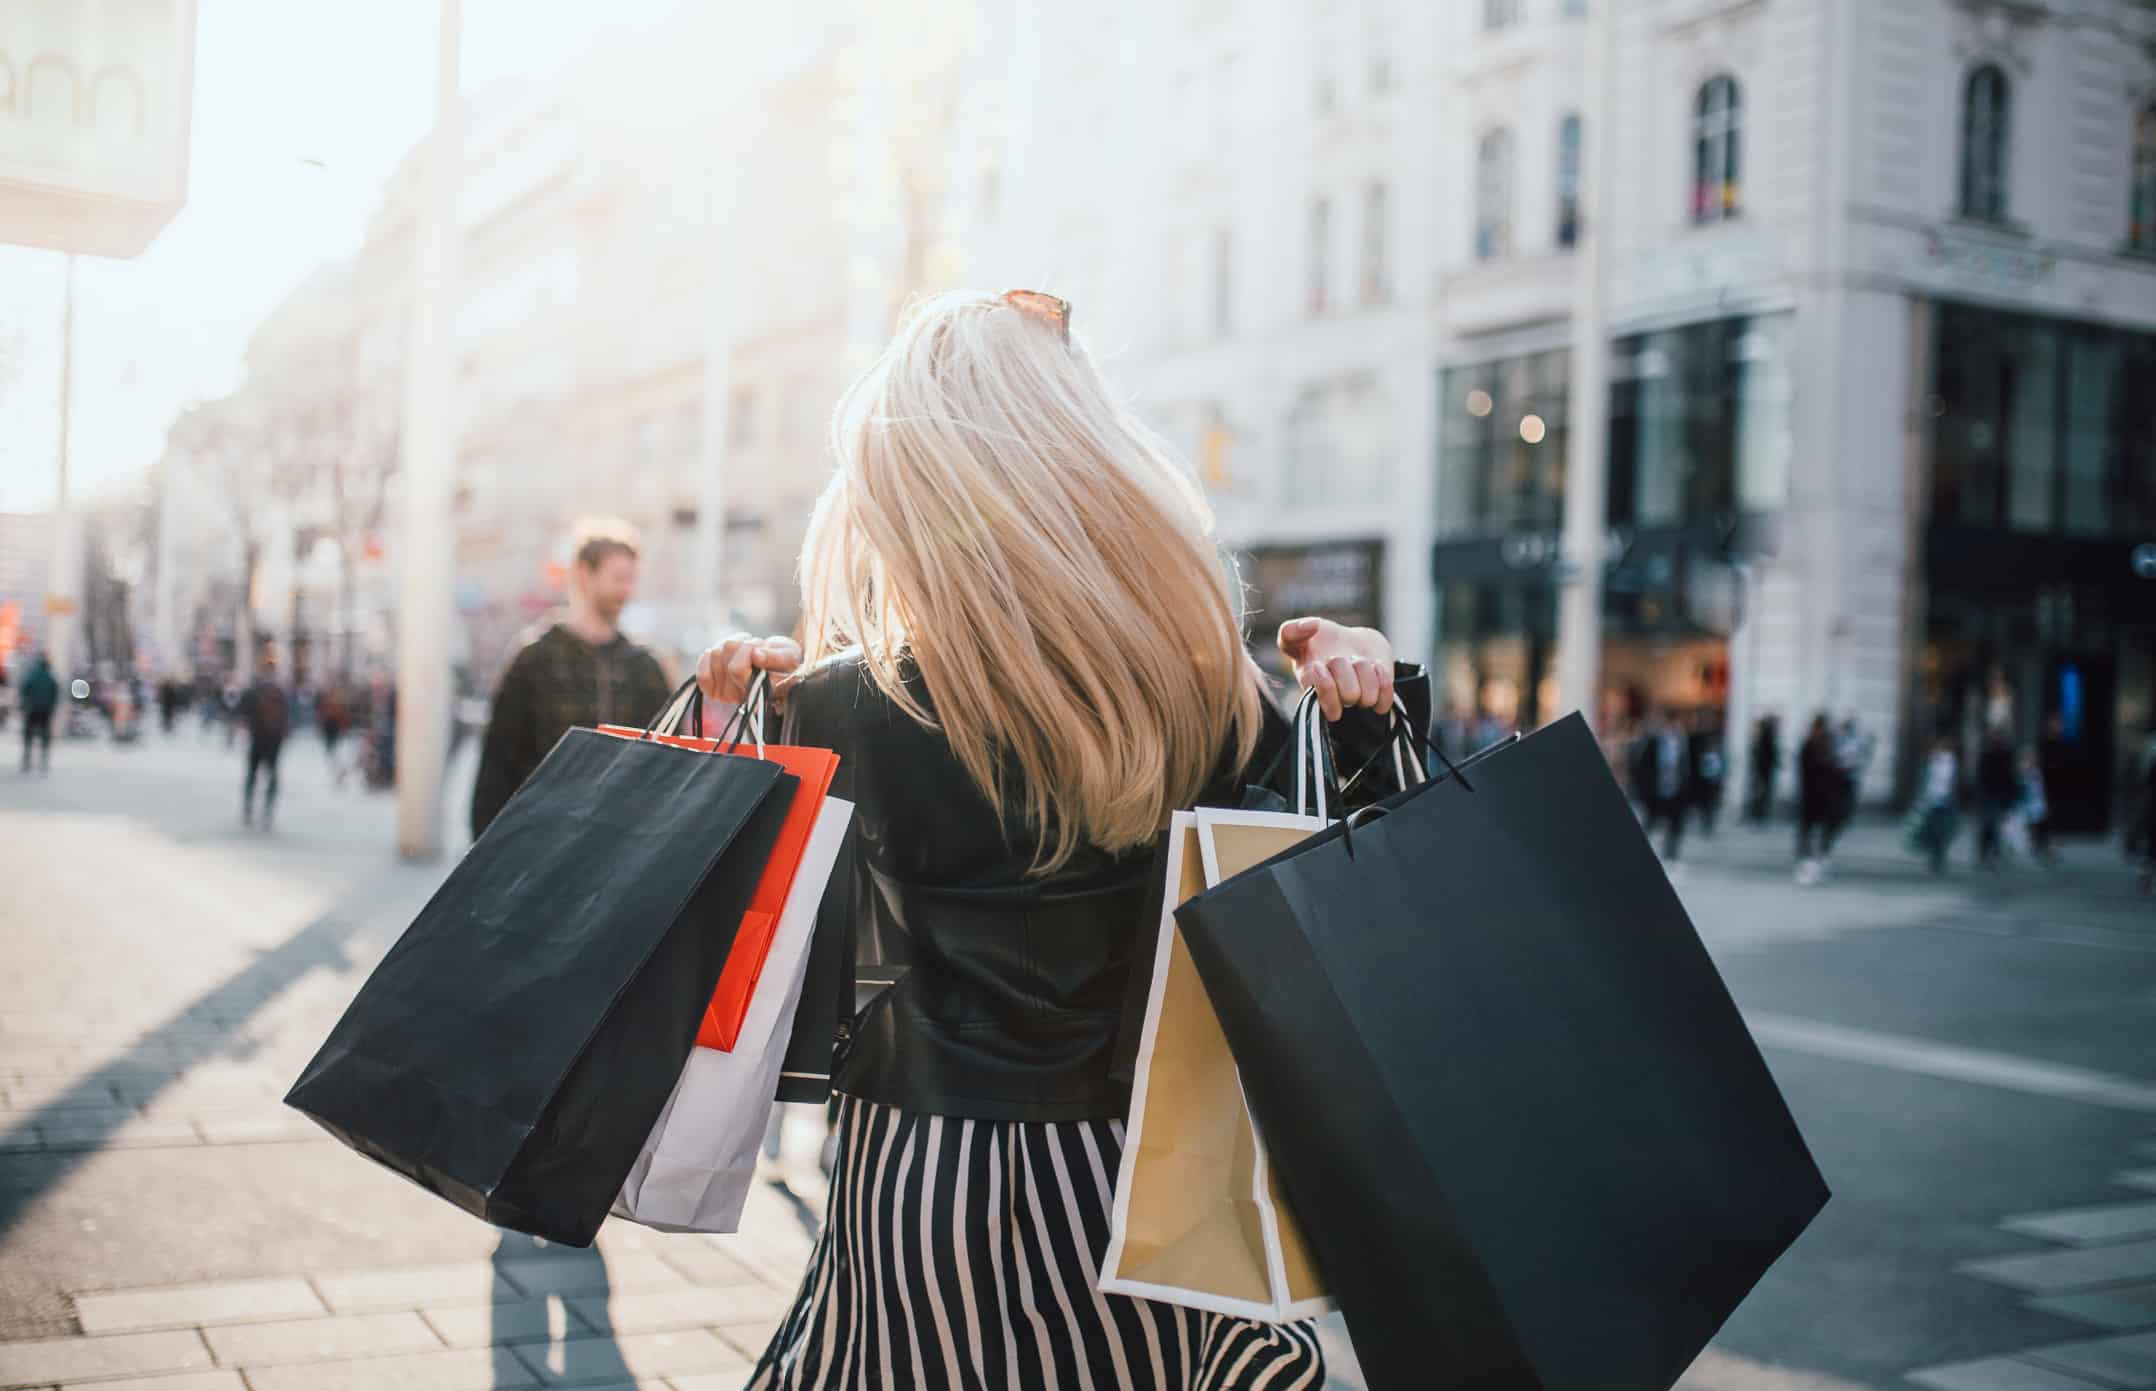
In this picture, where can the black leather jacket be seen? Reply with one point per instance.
(996, 996)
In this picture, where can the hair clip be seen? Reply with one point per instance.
(1049, 309)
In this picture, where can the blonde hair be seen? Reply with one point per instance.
(1001, 521)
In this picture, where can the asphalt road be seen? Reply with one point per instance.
(1961, 1053)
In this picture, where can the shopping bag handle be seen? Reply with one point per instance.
(749, 715)
(669, 718)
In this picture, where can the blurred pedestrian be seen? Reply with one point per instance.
(1662, 776)
(331, 718)
(1820, 792)
(1765, 761)
(39, 695)
(1935, 818)
(1998, 788)
(2033, 808)
(579, 671)
(1710, 765)
(170, 699)
(1853, 750)
(266, 710)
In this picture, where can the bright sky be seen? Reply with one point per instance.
(302, 110)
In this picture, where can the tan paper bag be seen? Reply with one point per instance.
(1198, 1219)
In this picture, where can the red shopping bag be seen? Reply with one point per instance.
(815, 768)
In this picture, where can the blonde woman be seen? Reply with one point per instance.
(1021, 640)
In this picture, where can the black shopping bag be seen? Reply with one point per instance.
(1511, 1101)
(517, 1044)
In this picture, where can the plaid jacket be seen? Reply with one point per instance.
(558, 681)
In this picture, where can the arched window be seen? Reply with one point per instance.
(1986, 119)
(2141, 232)
(1568, 180)
(1493, 195)
(1717, 150)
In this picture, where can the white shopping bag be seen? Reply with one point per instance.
(695, 1171)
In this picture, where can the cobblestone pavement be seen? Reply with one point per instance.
(1973, 1060)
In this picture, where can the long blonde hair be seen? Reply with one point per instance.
(1001, 521)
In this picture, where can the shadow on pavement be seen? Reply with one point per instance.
(568, 1352)
(91, 1107)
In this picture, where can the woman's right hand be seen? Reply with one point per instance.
(723, 672)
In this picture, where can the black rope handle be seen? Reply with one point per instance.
(758, 697)
(1404, 731)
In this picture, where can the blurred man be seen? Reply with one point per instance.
(266, 710)
(40, 696)
(1710, 766)
(1662, 776)
(1998, 787)
(580, 671)
(1766, 761)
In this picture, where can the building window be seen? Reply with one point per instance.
(1493, 195)
(1501, 460)
(1500, 14)
(1717, 143)
(2041, 426)
(1223, 283)
(1575, 9)
(1375, 211)
(1986, 117)
(1320, 233)
(1324, 97)
(1697, 423)
(1568, 180)
(2141, 235)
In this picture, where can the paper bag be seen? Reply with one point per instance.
(1198, 1220)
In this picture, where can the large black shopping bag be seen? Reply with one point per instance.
(1523, 1125)
(514, 1048)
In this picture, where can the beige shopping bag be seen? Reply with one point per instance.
(1198, 1219)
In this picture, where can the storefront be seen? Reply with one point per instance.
(2039, 558)
(1341, 580)
(1699, 418)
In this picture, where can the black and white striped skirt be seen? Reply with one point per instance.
(965, 1254)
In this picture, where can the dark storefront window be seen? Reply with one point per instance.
(2040, 426)
(1501, 466)
(1698, 423)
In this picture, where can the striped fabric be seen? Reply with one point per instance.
(963, 1255)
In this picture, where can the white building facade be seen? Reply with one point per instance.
(1879, 299)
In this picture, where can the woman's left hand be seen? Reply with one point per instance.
(1349, 668)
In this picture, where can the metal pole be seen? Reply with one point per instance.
(707, 598)
(426, 542)
(1579, 614)
(64, 583)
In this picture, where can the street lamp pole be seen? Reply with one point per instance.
(426, 541)
(1579, 614)
(64, 584)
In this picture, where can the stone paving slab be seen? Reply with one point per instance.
(43, 1361)
(2084, 1226)
(481, 1325)
(139, 1132)
(186, 1306)
(473, 1282)
(2136, 1178)
(452, 1369)
(2119, 1309)
(1999, 1374)
(712, 1381)
(753, 1337)
(706, 1266)
(690, 1308)
(626, 1273)
(2056, 1272)
(342, 1337)
(184, 1381)
(260, 1130)
(643, 1354)
(2128, 1361)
